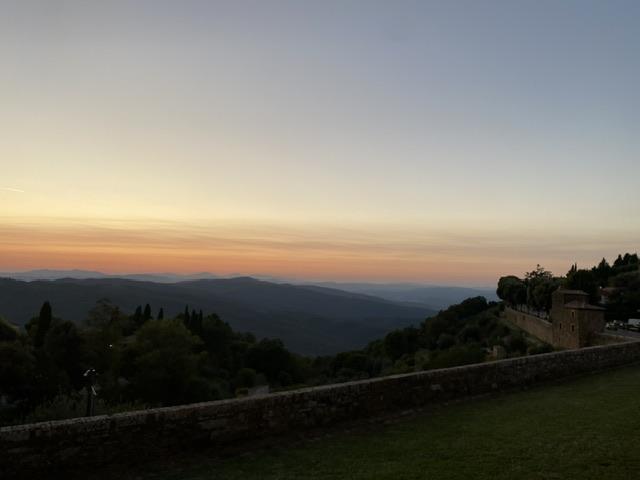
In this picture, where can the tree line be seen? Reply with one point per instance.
(142, 360)
(621, 279)
(146, 360)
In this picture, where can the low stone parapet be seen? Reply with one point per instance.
(26, 450)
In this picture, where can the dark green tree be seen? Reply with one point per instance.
(165, 365)
(105, 314)
(540, 285)
(512, 290)
(43, 324)
(64, 347)
(271, 358)
(18, 375)
(137, 316)
(246, 378)
(602, 272)
(584, 280)
(186, 317)
(146, 315)
(446, 341)
(395, 344)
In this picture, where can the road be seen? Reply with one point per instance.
(623, 333)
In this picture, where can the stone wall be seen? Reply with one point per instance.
(536, 326)
(134, 436)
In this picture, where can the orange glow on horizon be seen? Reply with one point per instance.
(304, 253)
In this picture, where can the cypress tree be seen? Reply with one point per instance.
(147, 312)
(193, 325)
(44, 322)
(161, 314)
(186, 317)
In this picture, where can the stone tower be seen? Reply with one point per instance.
(574, 319)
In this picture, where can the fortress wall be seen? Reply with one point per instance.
(130, 437)
(530, 323)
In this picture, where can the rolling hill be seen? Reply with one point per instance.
(309, 319)
(435, 297)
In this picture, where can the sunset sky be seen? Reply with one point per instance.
(445, 142)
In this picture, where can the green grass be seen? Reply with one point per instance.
(583, 429)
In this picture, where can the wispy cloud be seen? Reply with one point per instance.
(12, 189)
(319, 252)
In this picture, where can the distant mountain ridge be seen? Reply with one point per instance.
(309, 319)
(47, 274)
(432, 297)
(435, 297)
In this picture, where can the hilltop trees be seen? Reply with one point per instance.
(585, 280)
(602, 272)
(622, 278)
(512, 290)
(628, 262)
(534, 290)
(540, 285)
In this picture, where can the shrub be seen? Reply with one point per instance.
(458, 355)
(445, 341)
(246, 378)
(538, 349)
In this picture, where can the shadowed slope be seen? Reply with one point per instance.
(309, 320)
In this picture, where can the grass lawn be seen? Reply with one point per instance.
(587, 428)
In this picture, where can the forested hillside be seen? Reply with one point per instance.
(149, 354)
(309, 320)
(149, 359)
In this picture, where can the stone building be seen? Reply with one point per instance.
(574, 320)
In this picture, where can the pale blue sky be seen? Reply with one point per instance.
(491, 120)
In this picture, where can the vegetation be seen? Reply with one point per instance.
(147, 360)
(141, 361)
(144, 361)
(309, 320)
(583, 429)
(622, 280)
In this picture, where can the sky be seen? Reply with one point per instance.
(445, 142)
